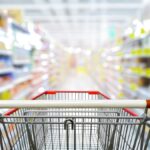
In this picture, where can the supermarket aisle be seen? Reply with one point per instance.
(78, 81)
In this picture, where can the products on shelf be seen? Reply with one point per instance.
(2, 46)
(21, 71)
(20, 89)
(5, 62)
(3, 20)
(6, 95)
(21, 55)
(5, 79)
(124, 71)
(28, 61)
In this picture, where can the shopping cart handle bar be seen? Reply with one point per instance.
(75, 104)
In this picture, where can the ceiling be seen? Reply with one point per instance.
(79, 23)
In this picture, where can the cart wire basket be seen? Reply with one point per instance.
(74, 120)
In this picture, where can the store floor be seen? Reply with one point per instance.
(78, 81)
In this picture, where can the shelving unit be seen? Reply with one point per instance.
(6, 87)
(21, 62)
(15, 63)
(30, 62)
(6, 70)
(22, 94)
(23, 79)
(125, 70)
(5, 53)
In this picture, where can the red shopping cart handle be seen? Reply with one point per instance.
(57, 91)
(89, 92)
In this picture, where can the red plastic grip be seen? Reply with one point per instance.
(89, 92)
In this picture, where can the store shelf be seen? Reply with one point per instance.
(144, 92)
(6, 87)
(18, 27)
(22, 94)
(129, 91)
(127, 56)
(40, 70)
(7, 70)
(39, 80)
(6, 52)
(136, 56)
(134, 75)
(21, 62)
(126, 68)
(13, 83)
(23, 79)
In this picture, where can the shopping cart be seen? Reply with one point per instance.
(81, 120)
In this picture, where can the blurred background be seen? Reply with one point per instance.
(75, 45)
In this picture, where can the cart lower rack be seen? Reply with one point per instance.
(82, 120)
